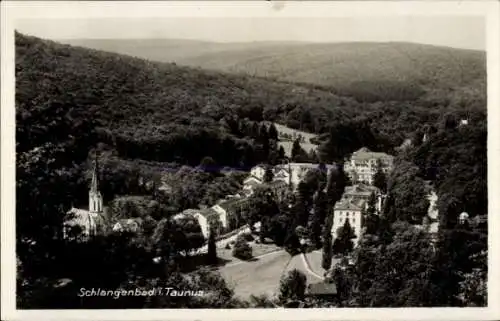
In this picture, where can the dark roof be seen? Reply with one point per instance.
(322, 288)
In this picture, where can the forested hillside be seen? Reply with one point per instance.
(365, 71)
(149, 117)
(153, 109)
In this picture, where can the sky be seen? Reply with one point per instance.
(466, 32)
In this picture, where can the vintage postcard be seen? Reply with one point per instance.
(250, 160)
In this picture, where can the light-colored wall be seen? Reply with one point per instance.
(339, 218)
(258, 172)
(203, 224)
(222, 214)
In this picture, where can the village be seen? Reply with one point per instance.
(260, 272)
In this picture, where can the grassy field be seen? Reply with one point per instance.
(263, 275)
(287, 145)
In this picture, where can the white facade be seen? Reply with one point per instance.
(222, 214)
(258, 171)
(363, 164)
(202, 220)
(347, 211)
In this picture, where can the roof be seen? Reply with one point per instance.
(349, 204)
(366, 154)
(259, 166)
(129, 223)
(226, 204)
(361, 189)
(322, 288)
(208, 212)
(277, 182)
(252, 181)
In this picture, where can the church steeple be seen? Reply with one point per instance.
(94, 187)
(95, 197)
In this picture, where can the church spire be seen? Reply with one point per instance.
(94, 187)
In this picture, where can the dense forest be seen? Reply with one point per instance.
(366, 71)
(147, 118)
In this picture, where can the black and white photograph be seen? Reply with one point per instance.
(277, 161)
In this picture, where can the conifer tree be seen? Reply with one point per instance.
(212, 248)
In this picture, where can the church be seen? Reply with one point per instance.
(90, 222)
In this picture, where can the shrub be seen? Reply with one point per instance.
(242, 250)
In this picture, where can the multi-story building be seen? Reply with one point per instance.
(294, 173)
(351, 211)
(351, 205)
(363, 165)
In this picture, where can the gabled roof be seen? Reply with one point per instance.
(209, 212)
(349, 204)
(360, 189)
(277, 182)
(252, 181)
(322, 288)
(366, 154)
(259, 166)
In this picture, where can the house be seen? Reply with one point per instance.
(128, 225)
(198, 216)
(324, 290)
(258, 172)
(363, 192)
(91, 222)
(231, 211)
(281, 174)
(364, 163)
(279, 188)
(294, 173)
(250, 183)
(348, 210)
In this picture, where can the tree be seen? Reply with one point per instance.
(212, 249)
(398, 275)
(337, 181)
(242, 250)
(273, 132)
(371, 208)
(269, 174)
(408, 193)
(343, 243)
(208, 165)
(281, 153)
(380, 179)
(298, 153)
(326, 261)
(318, 217)
(292, 286)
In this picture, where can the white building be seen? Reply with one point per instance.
(198, 216)
(258, 172)
(294, 173)
(364, 163)
(348, 210)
